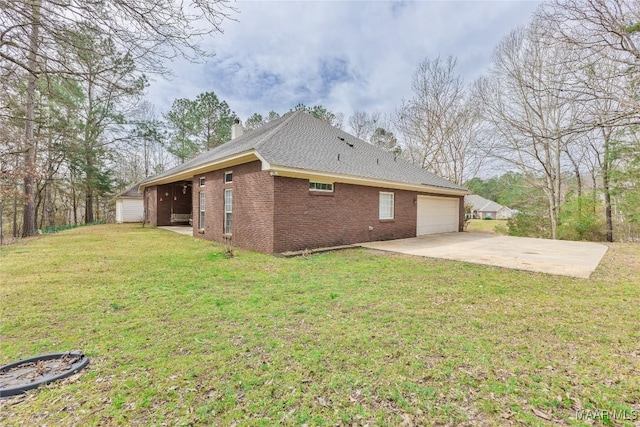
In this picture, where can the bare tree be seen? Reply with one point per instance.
(376, 129)
(439, 125)
(363, 124)
(603, 42)
(605, 120)
(144, 149)
(11, 151)
(611, 27)
(529, 117)
(604, 36)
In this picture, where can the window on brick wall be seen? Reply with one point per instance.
(201, 211)
(202, 180)
(228, 177)
(320, 186)
(228, 209)
(386, 205)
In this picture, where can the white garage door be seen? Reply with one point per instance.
(437, 215)
(132, 210)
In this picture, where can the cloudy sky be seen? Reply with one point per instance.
(345, 55)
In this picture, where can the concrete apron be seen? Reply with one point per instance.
(187, 231)
(561, 257)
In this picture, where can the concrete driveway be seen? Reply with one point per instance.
(575, 259)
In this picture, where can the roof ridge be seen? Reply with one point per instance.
(275, 130)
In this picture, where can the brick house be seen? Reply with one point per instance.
(299, 183)
(481, 208)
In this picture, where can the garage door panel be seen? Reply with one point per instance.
(132, 210)
(437, 215)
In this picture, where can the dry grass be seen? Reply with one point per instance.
(179, 334)
(486, 226)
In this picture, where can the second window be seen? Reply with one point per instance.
(228, 204)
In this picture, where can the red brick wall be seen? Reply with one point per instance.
(252, 207)
(163, 205)
(150, 205)
(305, 219)
(300, 220)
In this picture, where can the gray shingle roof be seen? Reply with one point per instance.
(130, 192)
(298, 140)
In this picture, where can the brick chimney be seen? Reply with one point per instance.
(236, 129)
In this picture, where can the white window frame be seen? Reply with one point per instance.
(202, 181)
(201, 209)
(228, 211)
(384, 206)
(226, 174)
(317, 186)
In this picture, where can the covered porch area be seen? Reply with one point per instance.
(169, 204)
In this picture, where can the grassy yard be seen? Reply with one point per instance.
(180, 335)
(485, 225)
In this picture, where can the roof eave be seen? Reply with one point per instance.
(224, 162)
(356, 180)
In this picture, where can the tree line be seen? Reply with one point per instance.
(555, 118)
(559, 108)
(71, 72)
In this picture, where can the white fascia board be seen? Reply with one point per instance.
(265, 165)
(349, 179)
(222, 163)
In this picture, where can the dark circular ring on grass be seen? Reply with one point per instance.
(27, 374)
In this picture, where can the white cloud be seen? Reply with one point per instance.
(344, 55)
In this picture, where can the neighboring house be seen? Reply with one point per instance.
(299, 183)
(484, 208)
(129, 205)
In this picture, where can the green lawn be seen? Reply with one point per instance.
(178, 334)
(485, 225)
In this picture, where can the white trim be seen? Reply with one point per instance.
(291, 172)
(367, 182)
(225, 162)
(265, 165)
